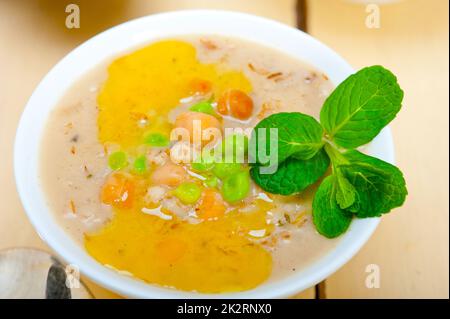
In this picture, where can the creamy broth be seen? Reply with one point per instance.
(74, 159)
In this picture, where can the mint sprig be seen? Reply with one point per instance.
(359, 185)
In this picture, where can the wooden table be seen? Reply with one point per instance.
(410, 246)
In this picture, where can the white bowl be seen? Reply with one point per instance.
(139, 32)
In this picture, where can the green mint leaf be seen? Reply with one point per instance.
(293, 175)
(330, 220)
(361, 106)
(345, 191)
(379, 186)
(297, 133)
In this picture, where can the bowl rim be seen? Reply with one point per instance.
(26, 148)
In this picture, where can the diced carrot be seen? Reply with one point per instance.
(236, 103)
(211, 205)
(118, 190)
(200, 86)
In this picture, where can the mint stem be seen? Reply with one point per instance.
(335, 156)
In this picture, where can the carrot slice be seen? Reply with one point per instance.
(211, 205)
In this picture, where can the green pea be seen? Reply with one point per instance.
(211, 181)
(223, 170)
(236, 187)
(236, 144)
(117, 160)
(188, 193)
(203, 164)
(203, 107)
(156, 139)
(140, 164)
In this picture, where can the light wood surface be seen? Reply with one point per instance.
(410, 246)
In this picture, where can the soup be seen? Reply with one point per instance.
(134, 193)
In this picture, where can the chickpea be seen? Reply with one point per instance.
(169, 174)
(188, 121)
(181, 152)
(236, 103)
(118, 190)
